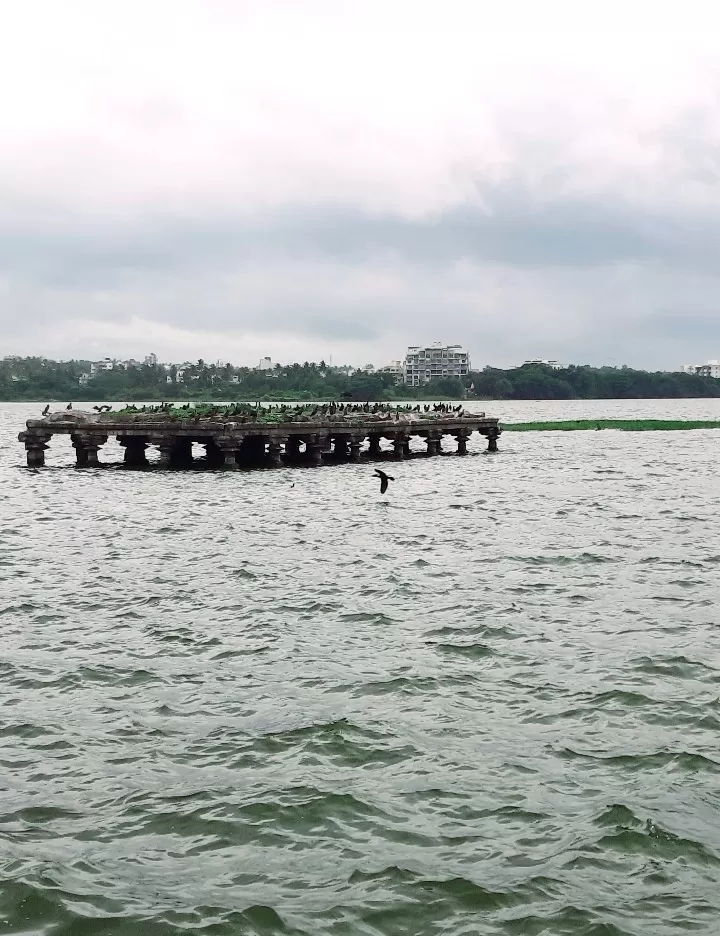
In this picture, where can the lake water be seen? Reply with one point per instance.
(487, 703)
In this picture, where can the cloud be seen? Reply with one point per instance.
(300, 180)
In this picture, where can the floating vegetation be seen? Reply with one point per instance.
(626, 425)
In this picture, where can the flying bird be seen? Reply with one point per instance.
(384, 478)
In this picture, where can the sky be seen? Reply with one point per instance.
(339, 179)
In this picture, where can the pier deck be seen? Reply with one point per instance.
(233, 444)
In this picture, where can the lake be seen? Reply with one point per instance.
(485, 703)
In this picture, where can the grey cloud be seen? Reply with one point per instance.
(352, 330)
(577, 279)
(513, 230)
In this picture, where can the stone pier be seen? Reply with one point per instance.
(233, 445)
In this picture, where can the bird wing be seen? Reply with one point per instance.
(383, 485)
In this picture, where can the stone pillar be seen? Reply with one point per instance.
(400, 445)
(434, 440)
(374, 444)
(462, 437)
(492, 437)
(340, 446)
(355, 443)
(230, 459)
(213, 456)
(92, 448)
(182, 455)
(35, 447)
(229, 448)
(314, 447)
(166, 452)
(275, 450)
(80, 453)
(87, 447)
(292, 448)
(134, 446)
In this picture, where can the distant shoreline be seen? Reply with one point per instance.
(35, 380)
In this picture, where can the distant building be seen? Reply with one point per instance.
(182, 369)
(395, 369)
(711, 369)
(544, 362)
(150, 360)
(265, 364)
(423, 364)
(105, 365)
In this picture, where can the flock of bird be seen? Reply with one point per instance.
(290, 413)
(106, 408)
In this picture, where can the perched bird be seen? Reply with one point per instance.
(69, 406)
(384, 478)
(46, 410)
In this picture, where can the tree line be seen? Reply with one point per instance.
(37, 378)
(581, 382)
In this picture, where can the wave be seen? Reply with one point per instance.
(584, 558)
(475, 651)
(688, 761)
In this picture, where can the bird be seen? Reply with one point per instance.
(46, 410)
(384, 478)
(69, 406)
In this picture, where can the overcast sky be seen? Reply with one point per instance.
(313, 178)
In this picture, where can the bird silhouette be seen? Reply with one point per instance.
(69, 406)
(384, 478)
(46, 410)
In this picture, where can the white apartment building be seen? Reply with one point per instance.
(711, 369)
(106, 364)
(433, 362)
(265, 364)
(546, 363)
(396, 368)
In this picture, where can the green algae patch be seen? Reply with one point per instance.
(626, 425)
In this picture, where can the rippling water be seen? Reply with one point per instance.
(487, 703)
